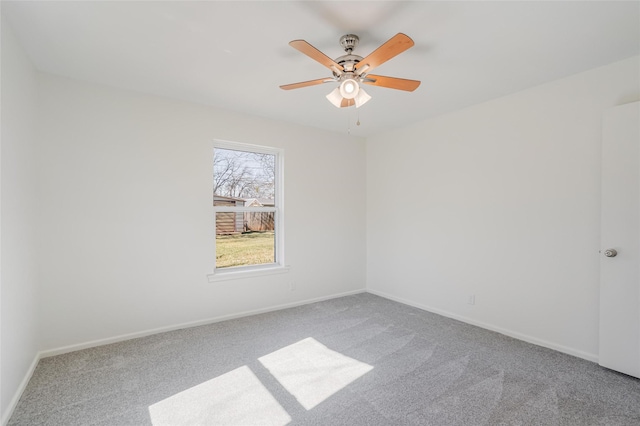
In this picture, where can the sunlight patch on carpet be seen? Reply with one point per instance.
(235, 398)
(311, 372)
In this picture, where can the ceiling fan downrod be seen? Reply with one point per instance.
(348, 61)
(349, 42)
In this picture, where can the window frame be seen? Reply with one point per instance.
(278, 266)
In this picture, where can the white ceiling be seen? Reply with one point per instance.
(234, 55)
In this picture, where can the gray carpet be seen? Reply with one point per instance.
(357, 360)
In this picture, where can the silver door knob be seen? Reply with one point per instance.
(611, 252)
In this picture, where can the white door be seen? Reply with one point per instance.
(620, 232)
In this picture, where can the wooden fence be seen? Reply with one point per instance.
(228, 223)
(259, 221)
(234, 223)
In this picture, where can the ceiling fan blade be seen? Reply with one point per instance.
(392, 47)
(347, 102)
(305, 83)
(391, 82)
(316, 55)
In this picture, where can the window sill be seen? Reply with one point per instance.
(247, 273)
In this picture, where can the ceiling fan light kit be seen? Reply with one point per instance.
(351, 71)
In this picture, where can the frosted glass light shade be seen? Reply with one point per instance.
(362, 98)
(335, 97)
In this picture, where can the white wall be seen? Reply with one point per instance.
(127, 213)
(18, 212)
(500, 201)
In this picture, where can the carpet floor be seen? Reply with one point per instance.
(356, 360)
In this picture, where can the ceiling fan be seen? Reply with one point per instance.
(350, 70)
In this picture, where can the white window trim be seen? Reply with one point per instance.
(247, 272)
(237, 272)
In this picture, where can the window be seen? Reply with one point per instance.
(247, 205)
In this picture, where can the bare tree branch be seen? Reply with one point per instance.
(242, 174)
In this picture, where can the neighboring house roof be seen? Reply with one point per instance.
(259, 202)
(221, 197)
(252, 202)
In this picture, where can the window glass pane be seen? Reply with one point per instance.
(244, 179)
(243, 248)
(245, 176)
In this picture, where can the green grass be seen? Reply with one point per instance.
(253, 248)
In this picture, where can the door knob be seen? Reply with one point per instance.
(611, 252)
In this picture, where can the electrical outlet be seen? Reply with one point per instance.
(471, 299)
(292, 286)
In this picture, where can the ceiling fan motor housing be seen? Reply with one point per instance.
(348, 62)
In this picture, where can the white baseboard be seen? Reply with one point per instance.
(506, 332)
(99, 342)
(129, 336)
(23, 385)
